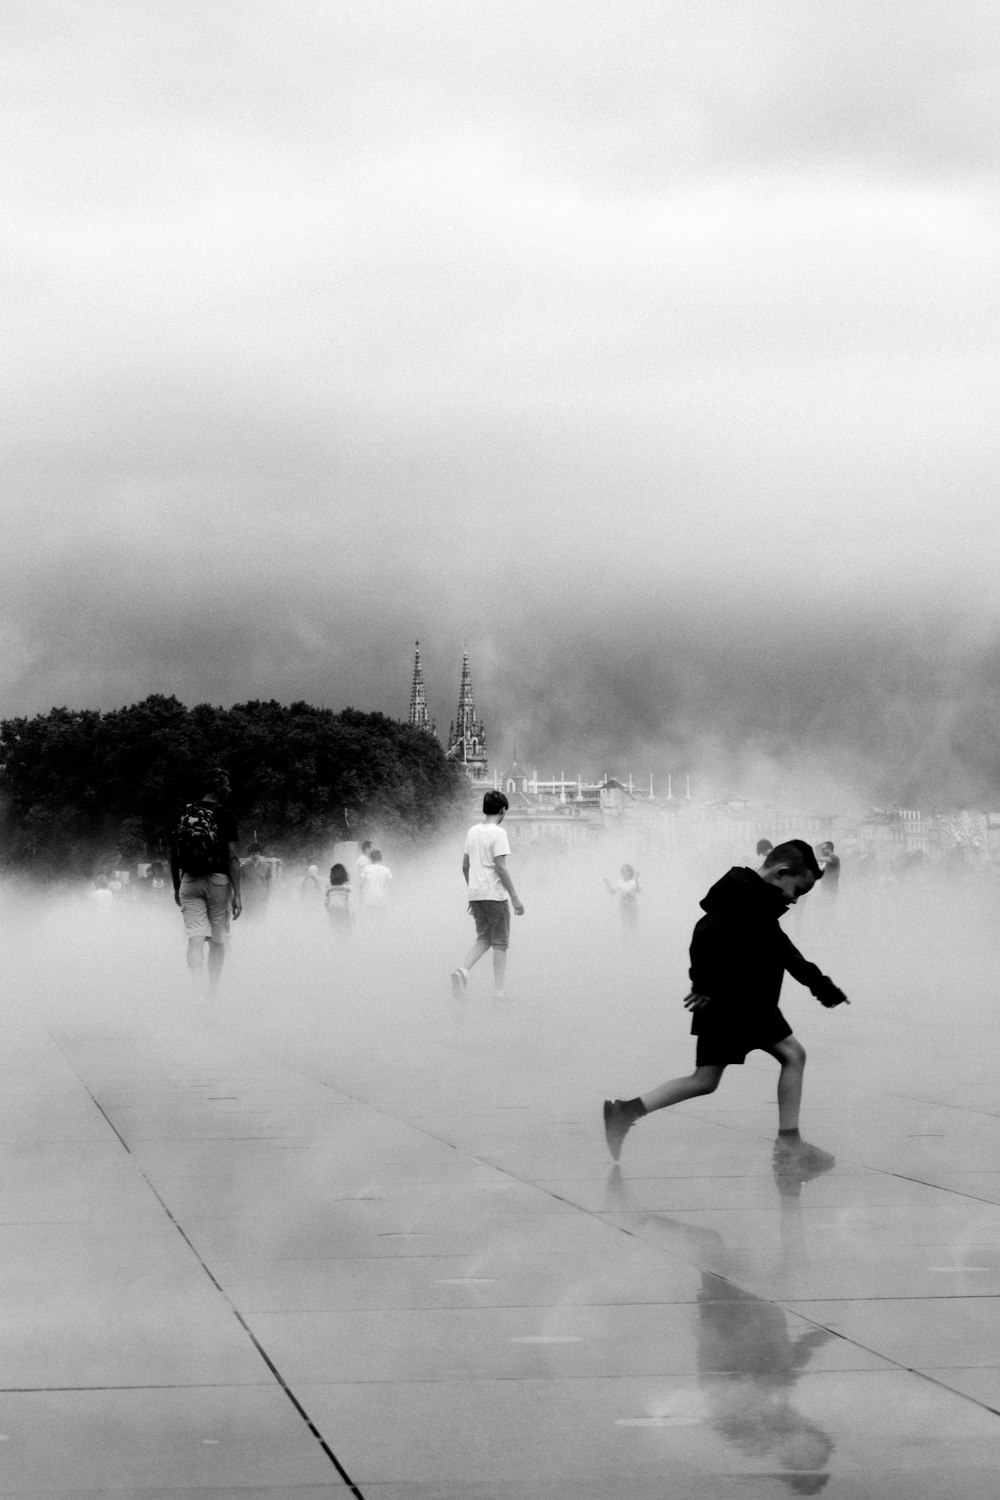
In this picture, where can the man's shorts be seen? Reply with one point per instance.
(492, 919)
(721, 1046)
(205, 905)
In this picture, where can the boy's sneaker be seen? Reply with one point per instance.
(617, 1124)
(800, 1159)
(459, 980)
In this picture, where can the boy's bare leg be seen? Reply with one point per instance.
(791, 1153)
(704, 1080)
(499, 968)
(478, 950)
(621, 1114)
(792, 1056)
(460, 976)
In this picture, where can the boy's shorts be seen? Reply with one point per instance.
(721, 1046)
(205, 906)
(492, 919)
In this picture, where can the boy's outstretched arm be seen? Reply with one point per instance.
(821, 985)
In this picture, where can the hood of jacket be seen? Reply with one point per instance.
(742, 893)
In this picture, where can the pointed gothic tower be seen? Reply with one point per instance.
(467, 736)
(419, 716)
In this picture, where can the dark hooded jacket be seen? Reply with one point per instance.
(739, 953)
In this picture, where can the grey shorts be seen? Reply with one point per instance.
(492, 919)
(205, 906)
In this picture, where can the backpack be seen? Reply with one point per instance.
(197, 839)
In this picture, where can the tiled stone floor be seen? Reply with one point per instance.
(378, 1248)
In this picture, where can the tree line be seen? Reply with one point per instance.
(79, 786)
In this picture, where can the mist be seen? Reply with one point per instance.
(589, 1007)
(649, 356)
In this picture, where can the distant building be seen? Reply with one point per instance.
(467, 735)
(419, 716)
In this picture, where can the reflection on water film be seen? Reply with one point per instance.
(404, 1189)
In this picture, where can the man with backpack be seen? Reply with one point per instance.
(205, 867)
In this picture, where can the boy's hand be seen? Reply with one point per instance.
(829, 995)
(518, 909)
(694, 1001)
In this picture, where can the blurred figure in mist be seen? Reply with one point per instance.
(764, 847)
(205, 866)
(375, 878)
(311, 887)
(627, 889)
(103, 897)
(152, 886)
(826, 909)
(829, 863)
(484, 869)
(363, 860)
(739, 957)
(339, 902)
(257, 876)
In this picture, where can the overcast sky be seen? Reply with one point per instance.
(647, 350)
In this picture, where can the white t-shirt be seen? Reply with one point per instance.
(374, 880)
(483, 843)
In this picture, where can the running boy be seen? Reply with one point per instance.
(739, 955)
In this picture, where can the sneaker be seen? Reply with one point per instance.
(800, 1159)
(616, 1126)
(459, 980)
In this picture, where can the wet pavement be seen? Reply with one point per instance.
(387, 1254)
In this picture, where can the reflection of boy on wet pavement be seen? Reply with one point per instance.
(739, 956)
(748, 1360)
(747, 1369)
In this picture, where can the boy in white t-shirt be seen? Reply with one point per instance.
(484, 865)
(375, 878)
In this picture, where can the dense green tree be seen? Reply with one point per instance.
(77, 781)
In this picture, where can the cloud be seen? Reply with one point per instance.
(573, 336)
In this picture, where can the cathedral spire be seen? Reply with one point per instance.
(467, 738)
(419, 716)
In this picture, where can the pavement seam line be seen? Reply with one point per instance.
(262, 1352)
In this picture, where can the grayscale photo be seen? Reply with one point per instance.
(500, 750)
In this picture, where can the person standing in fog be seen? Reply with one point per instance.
(205, 867)
(364, 859)
(627, 889)
(484, 867)
(339, 905)
(103, 896)
(830, 864)
(739, 956)
(257, 879)
(375, 878)
(764, 847)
